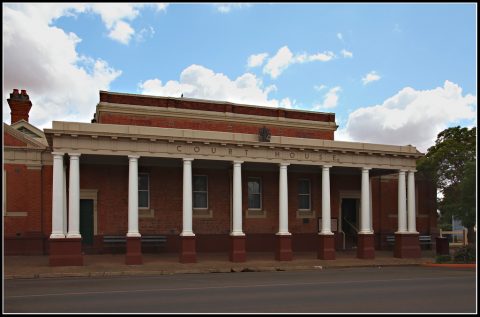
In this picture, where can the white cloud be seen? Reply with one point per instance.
(256, 60)
(323, 57)
(115, 14)
(43, 59)
(284, 58)
(330, 99)
(197, 81)
(370, 77)
(278, 63)
(121, 32)
(346, 53)
(227, 7)
(340, 36)
(410, 117)
(319, 87)
(144, 34)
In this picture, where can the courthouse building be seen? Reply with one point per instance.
(187, 175)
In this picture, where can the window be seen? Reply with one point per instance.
(304, 194)
(143, 190)
(200, 192)
(254, 193)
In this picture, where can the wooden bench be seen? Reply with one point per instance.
(120, 241)
(424, 240)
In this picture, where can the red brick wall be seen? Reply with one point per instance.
(31, 191)
(211, 125)
(24, 194)
(216, 107)
(9, 140)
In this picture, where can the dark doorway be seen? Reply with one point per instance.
(350, 221)
(86, 221)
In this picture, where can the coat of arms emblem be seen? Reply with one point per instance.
(264, 135)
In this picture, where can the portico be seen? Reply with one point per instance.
(237, 150)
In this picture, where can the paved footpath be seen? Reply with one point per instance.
(159, 264)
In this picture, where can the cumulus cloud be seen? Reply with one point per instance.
(346, 53)
(256, 60)
(370, 77)
(227, 7)
(330, 99)
(122, 32)
(43, 59)
(340, 36)
(114, 16)
(197, 81)
(410, 117)
(319, 87)
(284, 58)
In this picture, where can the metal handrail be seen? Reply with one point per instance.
(351, 225)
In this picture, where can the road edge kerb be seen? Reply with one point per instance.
(200, 271)
(452, 265)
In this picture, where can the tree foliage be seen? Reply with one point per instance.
(451, 165)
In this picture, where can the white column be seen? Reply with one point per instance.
(283, 201)
(133, 196)
(402, 211)
(65, 209)
(237, 199)
(74, 197)
(57, 196)
(412, 227)
(365, 203)
(187, 197)
(326, 220)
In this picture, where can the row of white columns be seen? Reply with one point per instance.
(403, 225)
(59, 202)
(59, 229)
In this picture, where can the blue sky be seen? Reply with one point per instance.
(392, 73)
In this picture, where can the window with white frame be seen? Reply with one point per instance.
(254, 193)
(304, 201)
(200, 191)
(143, 190)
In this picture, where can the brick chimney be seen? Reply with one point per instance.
(20, 105)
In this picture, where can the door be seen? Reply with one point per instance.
(86, 221)
(350, 221)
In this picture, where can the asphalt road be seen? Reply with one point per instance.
(352, 290)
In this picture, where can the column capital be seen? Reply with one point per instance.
(402, 170)
(326, 166)
(283, 165)
(74, 155)
(366, 169)
(412, 171)
(237, 162)
(58, 153)
(187, 159)
(134, 157)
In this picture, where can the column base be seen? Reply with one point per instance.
(407, 246)
(366, 246)
(326, 247)
(65, 252)
(284, 248)
(237, 249)
(134, 251)
(187, 249)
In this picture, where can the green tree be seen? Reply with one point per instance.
(451, 165)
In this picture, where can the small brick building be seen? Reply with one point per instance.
(205, 176)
